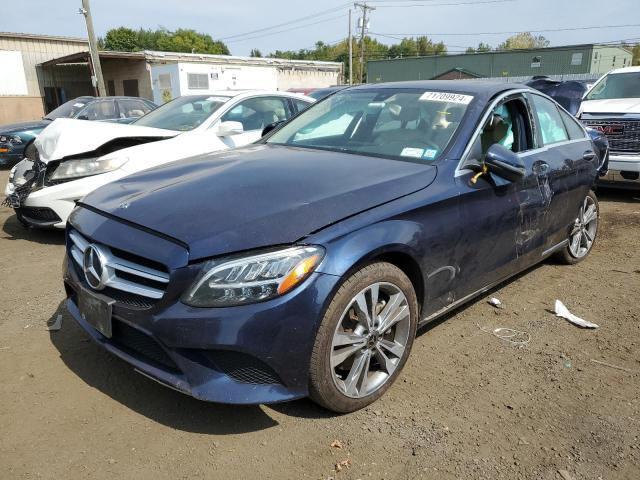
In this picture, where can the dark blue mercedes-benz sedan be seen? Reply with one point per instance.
(303, 265)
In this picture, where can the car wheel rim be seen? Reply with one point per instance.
(370, 339)
(584, 229)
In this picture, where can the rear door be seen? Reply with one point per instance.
(564, 161)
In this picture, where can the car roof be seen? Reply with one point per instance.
(624, 70)
(471, 87)
(246, 93)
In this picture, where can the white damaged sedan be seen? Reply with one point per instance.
(76, 156)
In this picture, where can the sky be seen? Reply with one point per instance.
(459, 23)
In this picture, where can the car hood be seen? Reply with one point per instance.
(66, 136)
(256, 196)
(23, 127)
(615, 105)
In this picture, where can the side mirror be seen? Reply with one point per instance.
(83, 117)
(503, 162)
(271, 126)
(227, 129)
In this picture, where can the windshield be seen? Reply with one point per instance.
(183, 113)
(69, 109)
(616, 85)
(396, 123)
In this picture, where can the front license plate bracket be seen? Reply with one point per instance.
(96, 310)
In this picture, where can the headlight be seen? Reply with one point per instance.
(87, 166)
(15, 139)
(238, 281)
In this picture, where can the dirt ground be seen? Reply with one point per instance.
(468, 405)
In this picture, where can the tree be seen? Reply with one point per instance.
(523, 41)
(482, 48)
(121, 39)
(181, 40)
(636, 54)
(187, 40)
(255, 53)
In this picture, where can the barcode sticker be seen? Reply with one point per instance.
(447, 97)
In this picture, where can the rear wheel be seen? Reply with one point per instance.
(583, 232)
(364, 339)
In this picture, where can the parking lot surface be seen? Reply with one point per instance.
(468, 404)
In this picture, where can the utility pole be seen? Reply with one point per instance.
(364, 8)
(93, 50)
(350, 52)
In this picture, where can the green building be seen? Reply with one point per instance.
(577, 61)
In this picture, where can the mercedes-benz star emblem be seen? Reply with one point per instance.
(93, 267)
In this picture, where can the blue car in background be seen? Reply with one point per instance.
(16, 140)
(303, 265)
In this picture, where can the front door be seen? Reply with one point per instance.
(495, 210)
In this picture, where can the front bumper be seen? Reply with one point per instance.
(624, 172)
(249, 354)
(50, 206)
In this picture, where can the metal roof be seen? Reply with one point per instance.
(176, 57)
(35, 36)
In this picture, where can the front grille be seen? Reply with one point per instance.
(39, 214)
(140, 345)
(623, 135)
(244, 368)
(130, 281)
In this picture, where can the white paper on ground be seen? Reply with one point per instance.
(562, 311)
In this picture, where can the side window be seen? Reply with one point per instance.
(257, 113)
(551, 125)
(101, 110)
(509, 125)
(300, 105)
(132, 108)
(573, 127)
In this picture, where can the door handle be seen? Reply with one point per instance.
(589, 155)
(540, 167)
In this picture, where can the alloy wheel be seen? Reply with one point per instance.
(584, 229)
(370, 339)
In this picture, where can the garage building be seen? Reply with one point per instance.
(568, 62)
(41, 72)
(24, 91)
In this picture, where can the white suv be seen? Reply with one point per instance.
(612, 106)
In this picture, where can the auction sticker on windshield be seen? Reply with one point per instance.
(446, 97)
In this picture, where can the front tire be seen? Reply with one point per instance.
(364, 339)
(584, 232)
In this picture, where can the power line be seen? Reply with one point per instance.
(444, 4)
(285, 30)
(544, 30)
(290, 22)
